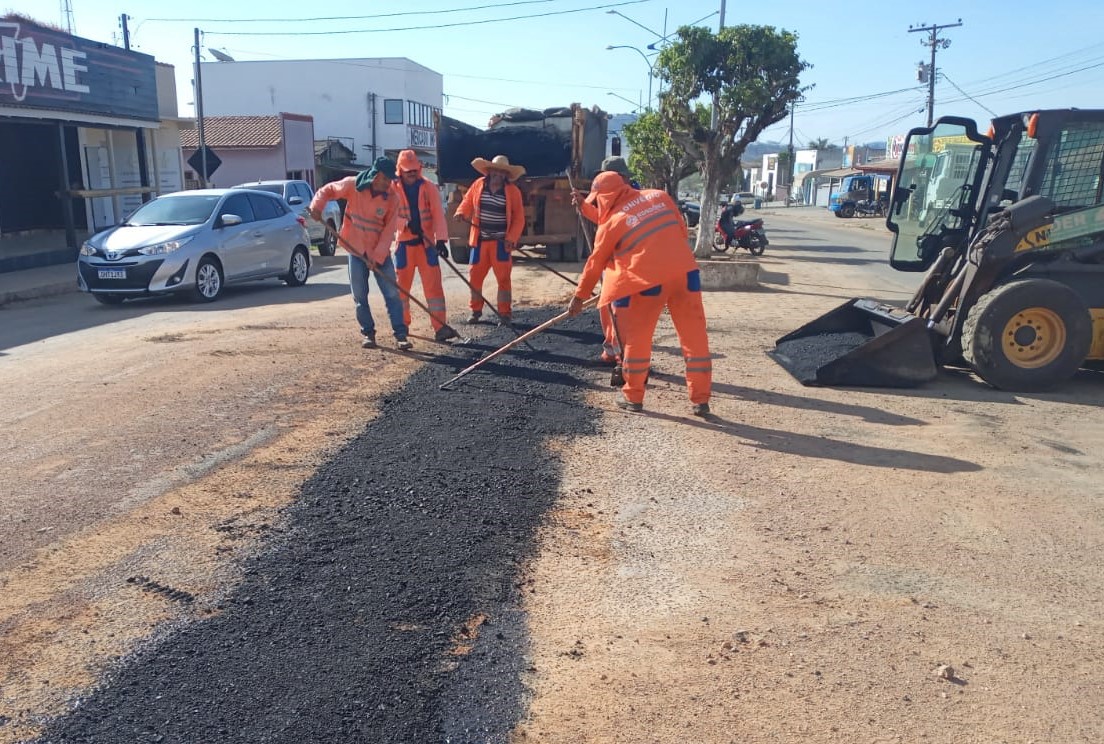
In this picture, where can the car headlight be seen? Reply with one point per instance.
(163, 248)
(87, 249)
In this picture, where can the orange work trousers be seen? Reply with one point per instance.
(491, 254)
(637, 316)
(417, 255)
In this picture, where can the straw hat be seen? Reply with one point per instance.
(500, 163)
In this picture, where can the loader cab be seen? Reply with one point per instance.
(934, 200)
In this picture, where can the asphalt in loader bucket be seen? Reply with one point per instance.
(861, 343)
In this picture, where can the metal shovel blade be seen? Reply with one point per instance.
(862, 343)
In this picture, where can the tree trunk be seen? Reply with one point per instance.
(711, 188)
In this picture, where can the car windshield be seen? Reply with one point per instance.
(272, 188)
(175, 210)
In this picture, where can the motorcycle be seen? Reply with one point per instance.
(871, 207)
(749, 234)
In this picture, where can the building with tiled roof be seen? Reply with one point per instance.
(255, 148)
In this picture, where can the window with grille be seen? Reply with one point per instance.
(1072, 177)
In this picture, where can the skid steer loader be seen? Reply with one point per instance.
(1009, 228)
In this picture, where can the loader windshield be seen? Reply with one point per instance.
(934, 195)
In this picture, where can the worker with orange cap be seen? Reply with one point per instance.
(493, 205)
(643, 246)
(611, 346)
(421, 244)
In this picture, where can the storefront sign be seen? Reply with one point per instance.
(420, 137)
(45, 69)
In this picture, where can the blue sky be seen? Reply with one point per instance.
(1001, 57)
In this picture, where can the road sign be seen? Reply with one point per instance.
(213, 162)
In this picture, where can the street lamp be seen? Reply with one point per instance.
(647, 61)
(630, 20)
(662, 39)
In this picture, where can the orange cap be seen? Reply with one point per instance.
(408, 161)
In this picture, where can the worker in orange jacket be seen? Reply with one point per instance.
(644, 248)
(611, 347)
(494, 207)
(422, 236)
(371, 217)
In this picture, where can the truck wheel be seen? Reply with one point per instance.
(1027, 335)
(847, 210)
(460, 254)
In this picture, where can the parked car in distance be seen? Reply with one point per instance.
(298, 195)
(196, 242)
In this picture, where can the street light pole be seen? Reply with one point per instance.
(648, 62)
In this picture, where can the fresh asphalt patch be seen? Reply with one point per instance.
(388, 608)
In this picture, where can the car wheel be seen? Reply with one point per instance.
(328, 246)
(299, 269)
(108, 299)
(1027, 335)
(208, 281)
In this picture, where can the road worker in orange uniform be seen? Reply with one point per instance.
(611, 347)
(495, 210)
(644, 248)
(371, 219)
(423, 233)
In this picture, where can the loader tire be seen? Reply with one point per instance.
(1027, 335)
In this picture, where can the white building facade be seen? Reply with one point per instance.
(374, 106)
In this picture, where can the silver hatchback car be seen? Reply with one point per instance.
(196, 242)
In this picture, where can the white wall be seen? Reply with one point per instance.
(335, 92)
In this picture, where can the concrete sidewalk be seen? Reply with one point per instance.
(31, 284)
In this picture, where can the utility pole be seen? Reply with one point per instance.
(67, 15)
(199, 114)
(713, 115)
(935, 43)
(139, 133)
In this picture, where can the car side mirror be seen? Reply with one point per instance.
(229, 220)
(294, 200)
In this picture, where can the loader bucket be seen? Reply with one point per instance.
(860, 343)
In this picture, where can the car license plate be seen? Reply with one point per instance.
(112, 274)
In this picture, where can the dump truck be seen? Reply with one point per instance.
(1008, 228)
(558, 146)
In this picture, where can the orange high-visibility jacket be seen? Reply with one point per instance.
(641, 242)
(430, 212)
(370, 221)
(515, 211)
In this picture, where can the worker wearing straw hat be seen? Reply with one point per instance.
(493, 206)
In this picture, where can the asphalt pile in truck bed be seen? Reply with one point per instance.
(388, 609)
(544, 151)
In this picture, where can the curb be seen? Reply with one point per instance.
(34, 293)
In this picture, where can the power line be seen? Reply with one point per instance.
(979, 103)
(348, 18)
(425, 28)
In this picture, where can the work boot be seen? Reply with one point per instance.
(403, 344)
(369, 341)
(700, 409)
(628, 405)
(506, 320)
(474, 317)
(444, 333)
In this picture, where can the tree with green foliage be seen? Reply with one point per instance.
(751, 73)
(654, 157)
(821, 144)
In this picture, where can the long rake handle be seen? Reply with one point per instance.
(523, 337)
(486, 302)
(380, 275)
